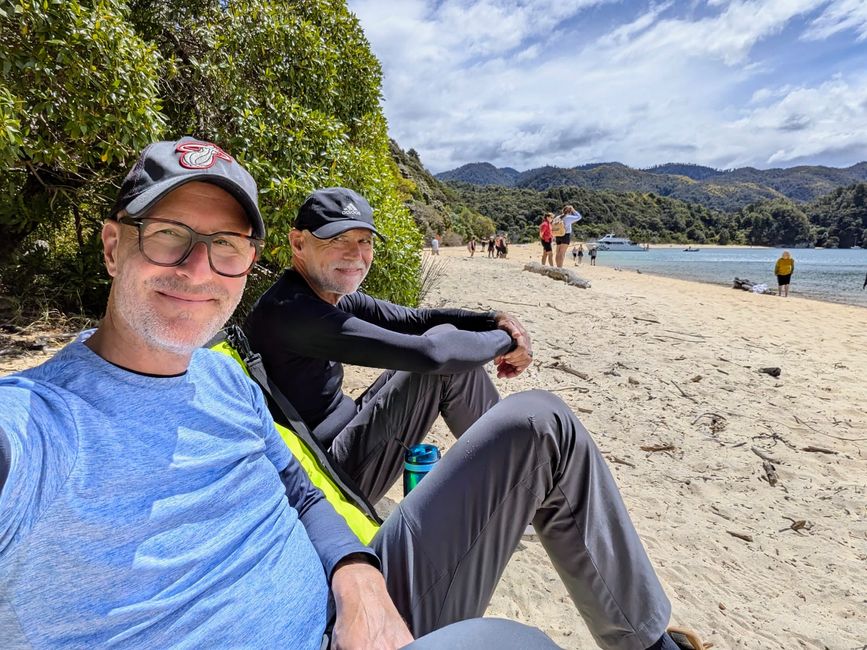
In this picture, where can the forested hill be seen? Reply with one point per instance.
(458, 211)
(727, 190)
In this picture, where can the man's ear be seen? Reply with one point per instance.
(296, 240)
(110, 245)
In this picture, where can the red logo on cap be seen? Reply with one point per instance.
(200, 155)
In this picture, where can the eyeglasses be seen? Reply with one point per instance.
(168, 243)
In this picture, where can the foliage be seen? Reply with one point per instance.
(838, 219)
(776, 223)
(643, 217)
(841, 217)
(433, 268)
(727, 190)
(437, 210)
(291, 89)
(78, 97)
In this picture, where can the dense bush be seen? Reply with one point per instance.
(291, 89)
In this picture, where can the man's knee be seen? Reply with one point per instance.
(547, 415)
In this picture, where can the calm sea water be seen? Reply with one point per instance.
(833, 275)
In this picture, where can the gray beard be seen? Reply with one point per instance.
(153, 329)
(326, 284)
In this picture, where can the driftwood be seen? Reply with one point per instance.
(564, 275)
(818, 450)
(690, 397)
(765, 456)
(747, 285)
(559, 365)
(743, 536)
(662, 447)
(620, 461)
(797, 525)
(770, 473)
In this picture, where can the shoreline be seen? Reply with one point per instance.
(530, 252)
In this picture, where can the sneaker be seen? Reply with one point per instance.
(686, 639)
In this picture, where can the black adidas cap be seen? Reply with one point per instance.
(164, 166)
(328, 212)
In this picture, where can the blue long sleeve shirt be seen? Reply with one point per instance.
(156, 512)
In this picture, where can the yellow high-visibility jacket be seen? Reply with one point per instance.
(346, 499)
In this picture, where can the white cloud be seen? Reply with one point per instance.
(808, 121)
(840, 16)
(623, 34)
(530, 83)
(728, 36)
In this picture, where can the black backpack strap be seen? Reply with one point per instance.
(283, 410)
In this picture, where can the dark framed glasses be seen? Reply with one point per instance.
(168, 243)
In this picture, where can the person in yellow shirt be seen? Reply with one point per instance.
(783, 270)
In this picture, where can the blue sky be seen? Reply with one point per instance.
(772, 83)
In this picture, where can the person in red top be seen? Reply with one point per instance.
(546, 237)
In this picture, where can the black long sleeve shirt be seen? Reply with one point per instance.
(304, 341)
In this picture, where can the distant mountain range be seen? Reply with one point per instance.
(726, 190)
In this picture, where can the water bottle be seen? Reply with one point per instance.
(418, 460)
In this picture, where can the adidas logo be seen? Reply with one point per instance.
(351, 211)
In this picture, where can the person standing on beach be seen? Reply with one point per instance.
(783, 270)
(593, 251)
(546, 237)
(491, 246)
(435, 245)
(562, 224)
(580, 254)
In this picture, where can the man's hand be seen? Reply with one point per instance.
(518, 360)
(366, 616)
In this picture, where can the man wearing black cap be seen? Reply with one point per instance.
(314, 319)
(525, 458)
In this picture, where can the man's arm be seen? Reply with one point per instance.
(417, 321)
(408, 320)
(327, 530)
(309, 327)
(366, 615)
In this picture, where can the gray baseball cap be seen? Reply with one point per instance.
(333, 210)
(165, 166)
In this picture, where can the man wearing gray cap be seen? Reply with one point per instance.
(146, 499)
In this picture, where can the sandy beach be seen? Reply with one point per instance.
(674, 365)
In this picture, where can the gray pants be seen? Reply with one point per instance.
(527, 459)
(396, 412)
(479, 633)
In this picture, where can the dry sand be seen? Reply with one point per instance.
(676, 363)
(664, 357)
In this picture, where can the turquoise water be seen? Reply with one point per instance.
(833, 275)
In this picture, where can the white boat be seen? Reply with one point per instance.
(612, 242)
